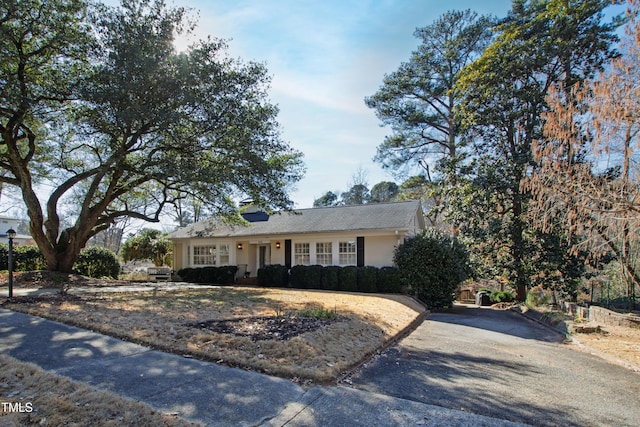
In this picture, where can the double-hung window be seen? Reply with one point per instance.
(223, 251)
(324, 254)
(347, 253)
(302, 255)
(211, 255)
(204, 255)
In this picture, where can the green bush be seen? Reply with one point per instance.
(367, 279)
(227, 274)
(499, 296)
(97, 262)
(313, 276)
(389, 280)
(296, 278)
(224, 275)
(25, 258)
(209, 275)
(331, 277)
(306, 276)
(187, 274)
(273, 275)
(536, 299)
(348, 279)
(432, 264)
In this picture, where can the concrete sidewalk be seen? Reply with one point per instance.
(206, 392)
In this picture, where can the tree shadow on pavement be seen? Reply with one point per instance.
(480, 385)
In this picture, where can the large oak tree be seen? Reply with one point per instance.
(99, 112)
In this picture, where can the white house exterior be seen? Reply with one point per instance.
(7, 223)
(343, 235)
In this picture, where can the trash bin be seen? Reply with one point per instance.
(483, 299)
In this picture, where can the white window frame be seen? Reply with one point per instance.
(347, 252)
(302, 253)
(204, 255)
(224, 254)
(324, 253)
(210, 254)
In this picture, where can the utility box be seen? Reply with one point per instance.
(158, 274)
(483, 299)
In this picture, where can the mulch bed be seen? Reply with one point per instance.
(266, 328)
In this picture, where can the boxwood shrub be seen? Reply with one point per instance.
(348, 279)
(367, 279)
(224, 275)
(296, 276)
(331, 277)
(389, 280)
(276, 275)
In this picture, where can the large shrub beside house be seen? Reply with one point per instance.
(431, 265)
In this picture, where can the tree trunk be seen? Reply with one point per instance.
(517, 248)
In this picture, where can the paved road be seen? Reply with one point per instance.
(499, 364)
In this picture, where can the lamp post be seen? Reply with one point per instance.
(11, 233)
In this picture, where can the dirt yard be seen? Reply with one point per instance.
(619, 342)
(298, 334)
(615, 343)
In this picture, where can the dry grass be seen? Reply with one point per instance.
(620, 342)
(52, 400)
(161, 320)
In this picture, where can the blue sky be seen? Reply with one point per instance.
(325, 57)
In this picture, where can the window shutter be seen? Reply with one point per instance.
(360, 251)
(287, 253)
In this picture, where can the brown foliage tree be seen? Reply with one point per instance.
(588, 176)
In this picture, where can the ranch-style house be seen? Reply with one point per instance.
(361, 235)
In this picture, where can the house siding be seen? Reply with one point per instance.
(372, 249)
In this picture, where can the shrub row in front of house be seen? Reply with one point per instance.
(333, 278)
(224, 275)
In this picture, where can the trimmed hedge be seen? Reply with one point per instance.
(389, 280)
(348, 279)
(225, 275)
(275, 275)
(331, 278)
(367, 279)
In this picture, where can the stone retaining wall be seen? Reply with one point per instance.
(601, 315)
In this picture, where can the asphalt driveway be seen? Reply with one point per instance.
(500, 364)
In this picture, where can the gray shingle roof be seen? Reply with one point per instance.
(379, 216)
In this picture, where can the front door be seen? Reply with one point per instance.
(264, 256)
